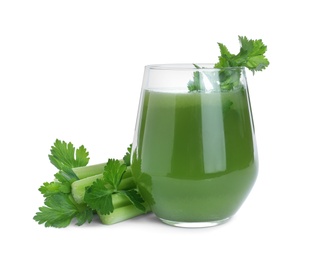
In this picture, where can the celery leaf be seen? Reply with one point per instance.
(51, 188)
(251, 56)
(196, 84)
(59, 210)
(135, 198)
(126, 157)
(99, 197)
(113, 172)
(64, 156)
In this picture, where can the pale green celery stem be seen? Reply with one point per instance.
(122, 213)
(91, 170)
(78, 187)
(88, 171)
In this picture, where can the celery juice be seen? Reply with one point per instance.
(194, 156)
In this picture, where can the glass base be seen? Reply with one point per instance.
(194, 224)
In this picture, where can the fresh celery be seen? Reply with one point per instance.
(78, 191)
(121, 213)
(90, 170)
(87, 171)
(78, 187)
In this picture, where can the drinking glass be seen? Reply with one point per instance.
(194, 155)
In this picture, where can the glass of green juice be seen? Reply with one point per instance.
(194, 155)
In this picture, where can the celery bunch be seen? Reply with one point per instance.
(80, 191)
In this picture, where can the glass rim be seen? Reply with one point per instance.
(188, 66)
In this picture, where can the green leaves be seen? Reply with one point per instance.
(126, 157)
(135, 198)
(113, 172)
(103, 195)
(60, 209)
(229, 78)
(251, 56)
(51, 188)
(196, 84)
(99, 198)
(63, 156)
(225, 60)
(99, 195)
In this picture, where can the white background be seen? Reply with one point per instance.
(73, 70)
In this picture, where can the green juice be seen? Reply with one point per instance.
(194, 155)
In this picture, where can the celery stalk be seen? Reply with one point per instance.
(121, 214)
(123, 207)
(87, 171)
(78, 187)
(90, 170)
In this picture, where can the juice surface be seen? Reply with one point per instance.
(195, 156)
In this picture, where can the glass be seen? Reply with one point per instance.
(194, 154)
